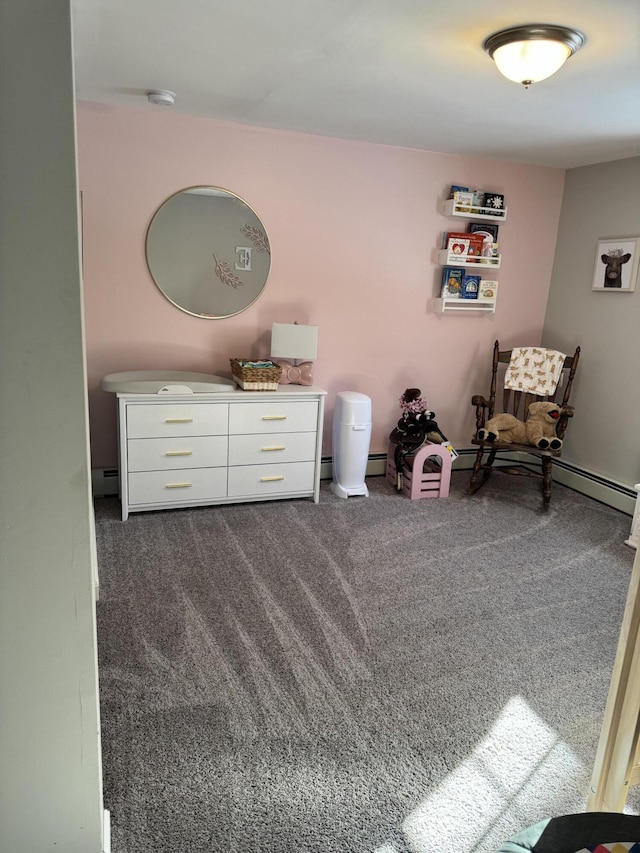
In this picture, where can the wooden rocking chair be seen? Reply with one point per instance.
(517, 403)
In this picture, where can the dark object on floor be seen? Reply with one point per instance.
(415, 428)
(573, 833)
(516, 402)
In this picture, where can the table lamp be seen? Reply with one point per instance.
(294, 341)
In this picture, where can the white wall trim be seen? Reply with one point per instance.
(634, 536)
(106, 832)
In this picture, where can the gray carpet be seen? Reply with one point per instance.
(371, 675)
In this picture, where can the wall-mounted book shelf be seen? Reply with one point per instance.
(444, 306)
(488, 214)
(474, 250)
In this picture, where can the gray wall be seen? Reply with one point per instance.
(50, 774)
(604, 436)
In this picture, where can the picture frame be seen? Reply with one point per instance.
(619, 274)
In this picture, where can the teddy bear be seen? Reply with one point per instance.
(539, 429)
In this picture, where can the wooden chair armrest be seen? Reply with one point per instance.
(563, 420)
(482, 407)
(479, 400)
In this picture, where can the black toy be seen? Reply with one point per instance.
(415, 428)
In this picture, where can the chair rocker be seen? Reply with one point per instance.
(517, 403)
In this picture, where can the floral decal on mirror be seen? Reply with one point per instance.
(223, 268)
(226, 274)
(257, 237)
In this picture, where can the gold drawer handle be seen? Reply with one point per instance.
(178, 420)
(271, 479)
(276, 447)
(179, 453)
(274, 417)
(178, 485)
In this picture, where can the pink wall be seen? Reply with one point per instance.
(353, 230)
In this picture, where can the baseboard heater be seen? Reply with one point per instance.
(603, 489)
(617, 495)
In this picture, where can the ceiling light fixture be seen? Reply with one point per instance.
(161, 97)
(532, 52)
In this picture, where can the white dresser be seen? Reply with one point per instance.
(226, 447)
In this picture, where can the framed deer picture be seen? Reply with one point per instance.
(616, 267)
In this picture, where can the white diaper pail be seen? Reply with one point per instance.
(351, 440)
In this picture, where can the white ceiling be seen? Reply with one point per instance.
(399, 72)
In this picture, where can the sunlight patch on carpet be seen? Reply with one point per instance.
(520, 759)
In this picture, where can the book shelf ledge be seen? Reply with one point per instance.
(488, 214)
(446, 259)
(442, 306)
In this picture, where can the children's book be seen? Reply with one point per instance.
(487, 290)
(451, 282)
(463, 243)
(470, 286)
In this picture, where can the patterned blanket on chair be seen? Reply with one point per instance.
(534, 369)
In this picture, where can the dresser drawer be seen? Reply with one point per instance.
(167, 487)
(261, 480)
(278, 416)
(169, 454)
(157, 421)
(269, 449)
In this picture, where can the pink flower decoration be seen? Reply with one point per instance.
(417, 406)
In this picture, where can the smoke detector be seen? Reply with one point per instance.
(161, 97)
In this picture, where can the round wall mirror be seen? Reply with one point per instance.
(208, 252)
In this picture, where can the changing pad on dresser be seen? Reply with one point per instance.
(165, 382)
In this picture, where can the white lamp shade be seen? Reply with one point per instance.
(524, 61)
(291, 340)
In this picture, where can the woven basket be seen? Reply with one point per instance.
(256, 378)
